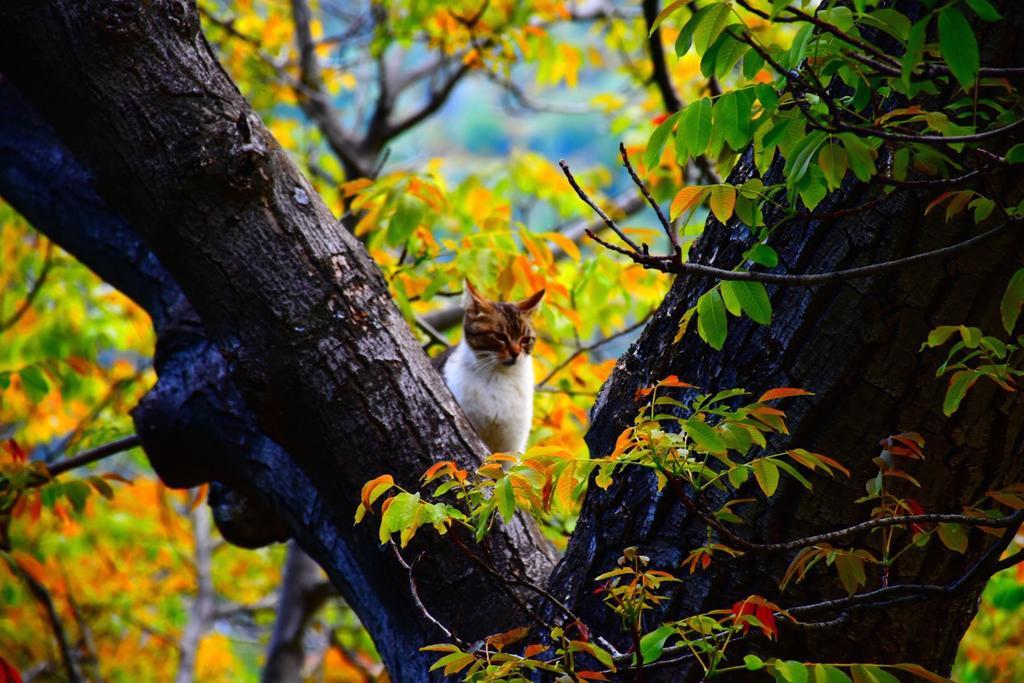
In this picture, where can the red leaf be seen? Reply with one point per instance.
(783, 392)
(673, 381)
(591, 675)
(8, 674)
(16, 452)
(534, 649)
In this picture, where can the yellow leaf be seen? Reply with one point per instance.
(723, 201)
(564, 243)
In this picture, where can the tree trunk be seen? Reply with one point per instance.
(293, 302)
(333, 376)
(856, 346)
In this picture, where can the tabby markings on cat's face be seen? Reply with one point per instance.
(500, 331)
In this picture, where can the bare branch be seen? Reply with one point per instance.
(593, 347)
(32, 293)
(675, 265)
(94, 454)
(659, 70)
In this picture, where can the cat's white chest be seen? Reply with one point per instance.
(498, 400)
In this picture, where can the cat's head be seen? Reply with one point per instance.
(499, 330)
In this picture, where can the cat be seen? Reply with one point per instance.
(490, 372)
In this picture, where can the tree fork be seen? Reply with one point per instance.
(293, 302)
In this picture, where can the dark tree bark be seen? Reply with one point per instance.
(312, 383)
(856, 346)
(293, 302)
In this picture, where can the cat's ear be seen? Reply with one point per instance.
(528, 305)
(473, 301)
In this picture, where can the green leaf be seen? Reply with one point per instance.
(732, 115)
(704, 436)
(954, 537)
(685, 37)
(832, 160)
(77, 492)
(1016, 154)
(711, 26)
(959, 47)
(940, 335)
(876, 674)
(34, 382)
(711, 323)
(763, 255)
(506, 499)
(752, 298)
(695, 126)
(653, 643)
(657, 142)
(767, 474)
(800, 157)
(985, 10)
(859, 155)
(826, 673)
(752, 63)
(753, 662)
(665, 13)
(791, 671)
(405, 219)
(812, 187)
(399, 515)
(915, 50)
(958, 386)
(851, 572)
(1013, 299)
(799, 46)
(722, 56)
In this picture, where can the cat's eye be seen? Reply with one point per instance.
(501, 336)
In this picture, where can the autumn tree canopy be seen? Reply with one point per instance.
(231, 230)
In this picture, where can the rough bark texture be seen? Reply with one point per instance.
(856, 346)
(315, 347)
(313, 340)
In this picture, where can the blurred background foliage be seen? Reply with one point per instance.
(491, 96)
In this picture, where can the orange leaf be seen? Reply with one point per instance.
(30, 565)
(673, 381)
(591, 675)
(200, 496)
(384, 482)
(355, 186)
(783, 392)
(435, 468)
(534, 649)
(686, 199)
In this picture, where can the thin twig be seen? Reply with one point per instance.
(593, 347)
(750, 546)
(675, 265)
(662, 218)
(94, 454)
(33, 292)
(414, 590)
(597, 209)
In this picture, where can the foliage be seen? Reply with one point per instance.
(467, 191)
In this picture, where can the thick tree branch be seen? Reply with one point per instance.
(294, 302)
(659, 69)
